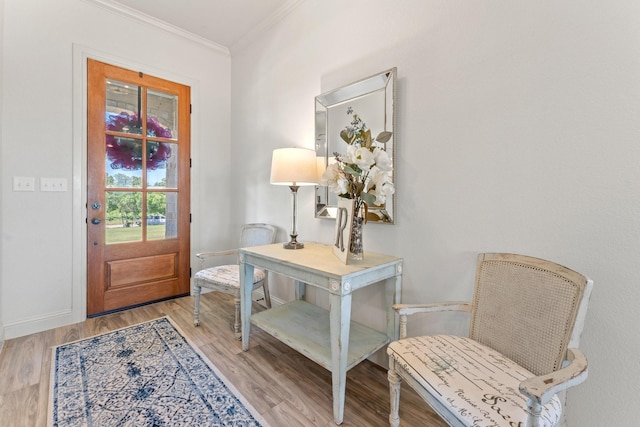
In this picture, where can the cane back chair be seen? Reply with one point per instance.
(527, 316)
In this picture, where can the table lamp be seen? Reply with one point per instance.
(294, 167)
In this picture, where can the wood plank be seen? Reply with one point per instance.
(287, 388)
(24, 371)
(21, 405)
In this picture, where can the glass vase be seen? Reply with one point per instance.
(356, 248)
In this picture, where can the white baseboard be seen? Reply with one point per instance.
(38, 324)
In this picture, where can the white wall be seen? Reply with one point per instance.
(43, 240)
(517, 132)
(1, 187)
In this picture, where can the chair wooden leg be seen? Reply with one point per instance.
(394, 390)
(197, 289)
(267, 296)
(535, 412)
(236, 324)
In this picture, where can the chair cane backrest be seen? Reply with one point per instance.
(528, 309)
(257, 234)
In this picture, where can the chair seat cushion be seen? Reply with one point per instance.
(476, 383)
(226, 275)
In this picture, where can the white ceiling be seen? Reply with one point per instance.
(224, 22)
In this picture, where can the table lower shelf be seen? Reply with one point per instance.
(305, 328)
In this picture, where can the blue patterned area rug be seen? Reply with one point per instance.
(142, 375)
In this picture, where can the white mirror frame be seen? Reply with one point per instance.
(373, 99)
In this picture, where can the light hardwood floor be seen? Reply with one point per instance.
(285, 387)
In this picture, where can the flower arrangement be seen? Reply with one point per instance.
(127, 155)
(363, 173)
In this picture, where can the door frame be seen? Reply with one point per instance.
(81, 53)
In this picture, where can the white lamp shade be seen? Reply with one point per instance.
(294, 166)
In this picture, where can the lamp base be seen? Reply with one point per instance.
(293, 244)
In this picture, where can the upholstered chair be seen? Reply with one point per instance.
(226, 278)
(527, 316)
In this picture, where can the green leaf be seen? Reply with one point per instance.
(369, 199)
(346, 135)
(352, 170)
(366, 138)
(384, 136)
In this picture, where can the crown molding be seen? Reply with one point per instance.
(143, 17)
(266, 24)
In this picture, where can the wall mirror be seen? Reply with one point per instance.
(373, 99)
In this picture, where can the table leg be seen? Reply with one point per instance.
(300, 288)
(246, 288)
(393, 288)
(340, 323)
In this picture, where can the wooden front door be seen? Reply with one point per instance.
(138, 160)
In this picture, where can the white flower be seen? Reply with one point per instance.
(379, 185)
(360, 156)
(364, 172)
(335, 179)
(376, 177)
(382, 159)
(386, 189)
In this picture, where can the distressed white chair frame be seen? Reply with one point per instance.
(517, 299)
(226, 278)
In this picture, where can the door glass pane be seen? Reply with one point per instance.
(122, 222)
(123, 162)
(162, 114)
(123, 107)
(162, 165)
(162, 215)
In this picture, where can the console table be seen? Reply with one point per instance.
(329, 338)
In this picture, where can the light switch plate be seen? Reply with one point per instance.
(24, 183)
(53, 184)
